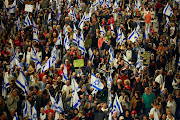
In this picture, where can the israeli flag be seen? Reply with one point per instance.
(167, 22)
(76, 101)
(66, 42)
(120, 37)
(59, 107)
(22, 83)
(10, 41)
(13, 7)
(112, 28)
(59, 14)
(96, 83)
(138, 30)
(35, 29)
(27, 22)
(72, 14)
(2, 26)
(14, 61)
(111, 53)
(109, 82)
(108, 3)
(110, 116)
(101, 2)
(133, 36)
(79, 5)
(115, 6)
(117, 106)
(52, 7)
(167, 10)
(5, 84)
(179, 62)
(74, 85)
(90, 10)
(27, 110)
(54, 104)
(156, 115)
(47, 65)
(82, 22)
(102, 31)
(65, 74)
(91, 55)
(35, 37)
(95, 5)
(147, 31)
(138, 60)
(126, 61)
(34, 56)
(21, 1)
(54, 54)
(15, 116)
(59, 40)
(163, 85)
(81, 44)
(34, 113)
(127, 9)
(18, 24)
(57, 4)
(37, 6)
(69, 6)
(137, 5)
(94, 92)
(75, 35)
(49, 18)
(178, 1)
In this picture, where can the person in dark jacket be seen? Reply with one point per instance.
(99, 114)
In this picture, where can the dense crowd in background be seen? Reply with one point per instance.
(143, 92)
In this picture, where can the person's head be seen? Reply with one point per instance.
(127, 113)
(12, 112)
(75, 111)
(14, 92)
(164, 116)
(121, 118)
(137, 79)
(146, 90)
(133, 113)
(170, 97)
(90, 98)
(114, 114)
(145, 117)
(42, 110)
(50, 115)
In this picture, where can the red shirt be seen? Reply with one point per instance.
(123, 77)
(60, 72)
(41, 76)
(17, 42)
(48, 111)
(68, 68)
(5, 52)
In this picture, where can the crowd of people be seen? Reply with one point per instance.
(145, 91)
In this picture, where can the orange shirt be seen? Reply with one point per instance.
(100, 42)
(148, 18)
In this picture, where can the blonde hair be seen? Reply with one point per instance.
(127, 82)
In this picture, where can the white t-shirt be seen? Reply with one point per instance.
(42, 117)
(152, 111)
(159, 79)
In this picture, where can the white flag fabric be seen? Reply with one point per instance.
(49, 18)
(22, 83)
(117, 106)
(96, 83)
(167, 22)
(163, 86)
(76, 101)
(109, 82)
(34, 113)
(59, 39)
(133, 36)
(27, 22)
(54, 54)
(147, 31)
(5, 84)
(156, 115)
(15, 116)
(82, 22)
(18, 24)
(81, 43)
(13, 7)
(65, 74)
(59, 108)
(167, 10)
(10, 41)
(179, 62)
(102, 31)
(137, 5)
(120, 37)
(111, 54)
(126, 61)
(178, 1)
(37, 6)
(27, 110)
(36, 59)
(54, 104)
(59, 13)
(108, 3)
(74, 85)
(138, 60)
(91, 55)
(35, 29)
(138, 30)
(112, 28)
(94, 92)
(14, 61)
(35, 37)
(2, 26)
(66, 42)
(115, 6)
(75, 35)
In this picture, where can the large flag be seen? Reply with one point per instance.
(147, 31)
(74, 85)
(59, 39)
(54, 104)
(102, 31)
(27, 22)
(15, 116)
(138, 60)
(49, 18)
(167, 10)
(59, 13)
(96, 83)
(126, 61)
(18, 24)
(37, 6)
(167, 22)
(35, 29)
(2, 26)
(81, 43)
(5, 84)
(27, 110)
(65, 74)
(133, 36)
(14, 61)
(117, 106)
(76, 101)
(75, 35)
(91, 55)
(54, 54)
(34, 113)
(138, 30)
(137, 5)
(35, 37)
(82, 22)
(59, 107)
(10, 41)
(13, 7)
(66, 42)
(108, 3)
(120, 37)
(22, 83)
(109, 94)
(111, 53)
(115, 6)
(36, 59)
